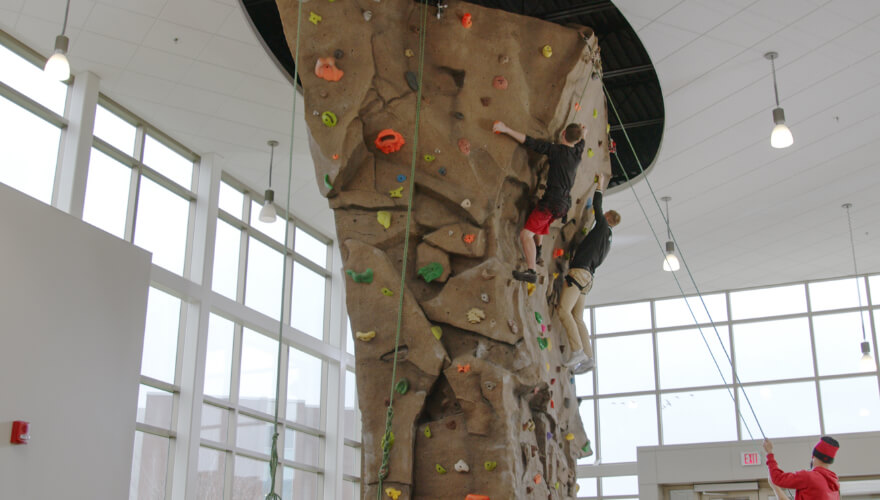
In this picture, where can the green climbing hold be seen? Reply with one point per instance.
(402, 386)
(590, 152)
(427, 432)
(538, 317)
(587, 449)
(542, 343)
(388, 439)
(387, 292)
(490, 466)
(440, 469)
(329, 118)
(364, 277)
(431, 272)
(327, 181)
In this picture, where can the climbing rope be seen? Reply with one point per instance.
(690, 275)
(273, 460)
(388, 436)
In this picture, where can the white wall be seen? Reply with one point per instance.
(72, 311)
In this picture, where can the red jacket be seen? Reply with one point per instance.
(817, 484)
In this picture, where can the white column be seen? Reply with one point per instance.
(73, 169)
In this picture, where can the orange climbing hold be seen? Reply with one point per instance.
(499, 82)
(336, 157)
(467, 20)
(389, 141)
(469, 238)
(464, 368)
(558, 252)
(464, 146)
(537, 479)
(471, 496)
(326, 68)
(577, 106)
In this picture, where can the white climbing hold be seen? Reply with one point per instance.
(368, 14)
(461, 466)
(466, 203)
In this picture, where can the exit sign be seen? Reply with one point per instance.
(751, 458)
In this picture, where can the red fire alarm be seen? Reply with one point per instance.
(20, 433)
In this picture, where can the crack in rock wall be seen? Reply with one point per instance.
(481, 354)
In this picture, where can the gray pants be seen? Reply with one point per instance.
(571, 310)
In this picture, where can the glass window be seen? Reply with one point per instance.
(107, 193)
(352, 414)
(263, 282)
(304, 484)
(768, 302)
(758, 347)
(351, 461)
(686, 361)
(218, 360)
(254, 434)
(850, 405)
(259, 362)
(623, 318)
(838, 341)
(304, 376)
(351, 490)
(161, 225)
(226, 253)
(837, 294)
(784, 409)
(874, 283)
(302, 447)
(310, 247)
(633, 423)
(154, 407)
(215, 423)
(20, 74)
(620, 485)
(587, 487)
(160, 336)
(148, 466)
(117, 132)
(168, 162)
(251, 479)
(274, 230)
(588, 417)
(231, 200)
(629, 366)
(212, 471)
(675, 312)
(697, 417)
(349, 337)
(584, 384)
(28, 151)
(307, 305)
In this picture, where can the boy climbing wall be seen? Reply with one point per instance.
(564, 159)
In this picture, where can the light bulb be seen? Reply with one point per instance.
(57, 67)
(670, 261)
(781, 136)
(866, 364)
(267, 213)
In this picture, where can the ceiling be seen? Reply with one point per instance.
(743, 213)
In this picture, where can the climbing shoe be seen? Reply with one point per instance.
(529, 276)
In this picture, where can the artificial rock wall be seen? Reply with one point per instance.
(482, 354)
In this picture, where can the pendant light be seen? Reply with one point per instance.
(781, 136)
(267, 213)
(57, 67)
(866, 363)
(670, 261)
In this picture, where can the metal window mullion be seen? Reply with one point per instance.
(32, 106)
(165, 182)
(815, 358)
(154, 430)
(301, 466)
(159, 384)
(656, 353)
(310, 265)
(593, 339)
(740, 422)
(872, 329)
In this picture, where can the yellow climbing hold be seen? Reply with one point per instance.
(490, 466)
(438, 332)
(384, 218)
(475, 315)
(547, 51)
(595, 113)
(408, 53)
(607, 128)
(427, 432)
(393, 493)
(555, 275)
(387, 292)
(314, 18)
(365, 336)
(547, 366)
(557, 485)
(429, 158)
(531, 288)
(590, 152)
(569, 436)
(440, 469)
(396, 193)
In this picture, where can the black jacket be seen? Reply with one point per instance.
(596, 244)
(564, 161)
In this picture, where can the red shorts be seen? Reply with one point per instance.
(539, 220)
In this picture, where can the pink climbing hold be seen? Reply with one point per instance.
(464, 146)
(499, 82)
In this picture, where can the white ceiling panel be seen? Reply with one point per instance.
(176, 39)
(214, 78)
(99, 48)
(203, 15)
(117, 23)
(150, 8)
(164, 65)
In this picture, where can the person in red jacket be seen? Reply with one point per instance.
(819, 483)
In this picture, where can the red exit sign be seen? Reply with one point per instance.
(751, 459)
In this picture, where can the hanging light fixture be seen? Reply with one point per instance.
(781, 136)
(57, 67)
(670, 261)
(267, 213)
(866, 364)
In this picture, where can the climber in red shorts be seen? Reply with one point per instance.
(564, 159)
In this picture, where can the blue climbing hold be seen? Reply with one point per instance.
(401, 178)
(442, 170)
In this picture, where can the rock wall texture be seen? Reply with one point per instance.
(482, 355)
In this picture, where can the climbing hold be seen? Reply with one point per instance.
(557, 485)
(469, 238)
(464, 146)
(547, 51)
(467, 20)
(484, 297)
(490, 466)
(472, 496)
(427, 432)
(513, 326)
(465, 203)
(396, 193)
(384, 218)
(326, 69)
(364, 277)
(552, 381)
(429, 158)
(464, 368)
(530, 425)
(590, 152)
(402, 386)
(490, 386)
(368, 14)
(437, 331)
(595, 113)
(431, 272)
(549, 435)
(531, 288)
(485, 101)
(401, 178)
(387, 292)
(538, 317)
(587, 448)
(441, 170)
(543, 328)
(503, 59)
(537, 479)
(412, 80)
(440, 469)
(612, 146)
(408, 53)
(499, 82)
(569, 436)
(451, 425)
(458, 115)
(552, 405)
(327, 181)
(595, 75)
(389, 439)
(338, 54)
(389, 141)
(475, 315)
(461, 466)
(542, 343)
(314, 18)
(393, 493)
(607, 128)
(365, 336)
(335, 156)
(329, 118)
(558, 252)
(577, 106)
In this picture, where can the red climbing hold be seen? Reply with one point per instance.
(389, 141)
(464, 146)
(467, 21)
(499, 82)
(558, 252)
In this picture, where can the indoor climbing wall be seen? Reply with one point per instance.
(482, 403)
